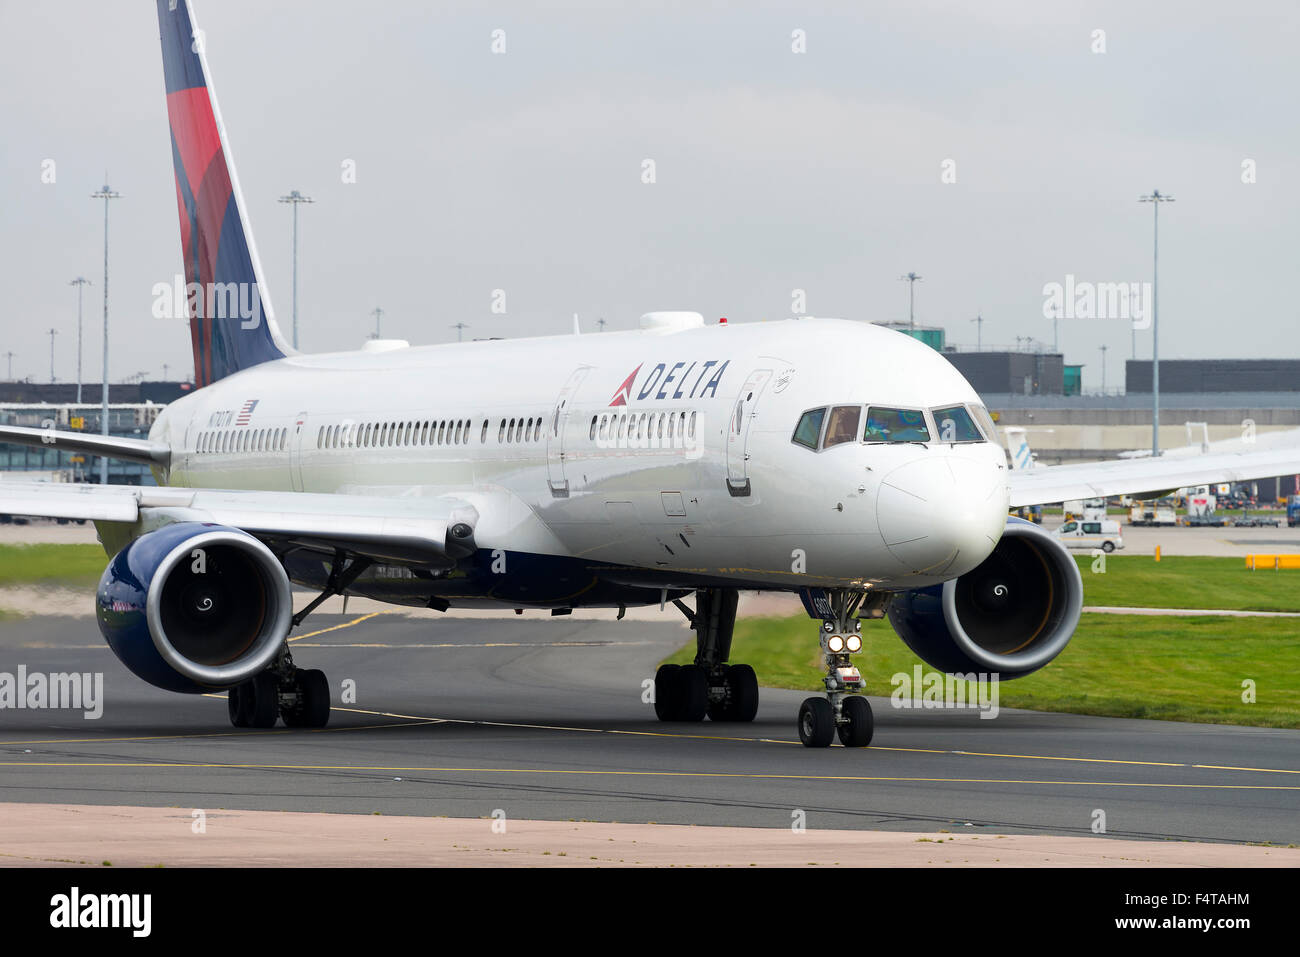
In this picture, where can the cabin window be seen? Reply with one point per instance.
(895, 425)
(691, 426)
(483, 438)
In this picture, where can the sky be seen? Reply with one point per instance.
(822, 149)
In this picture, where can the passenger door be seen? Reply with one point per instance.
(296, 438)
(742, 417)
(555, 433)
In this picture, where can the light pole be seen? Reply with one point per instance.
(459, 327)
(79, 282)
(295, 199)
(979, 333)
(1155, 199)
(379, 315)
(911, 280)
(10, 357)
(1056, 339)
(1103, 369)
(52, 333)
(105, 193)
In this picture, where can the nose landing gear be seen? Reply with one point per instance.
(843, 712)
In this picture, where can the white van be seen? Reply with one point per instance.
(1104, 534)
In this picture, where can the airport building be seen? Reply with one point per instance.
(131, 412)
(1022, 373)
(1215, 375)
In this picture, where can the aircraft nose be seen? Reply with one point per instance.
(942, 515)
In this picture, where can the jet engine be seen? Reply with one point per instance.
(194, 607)
(1011, 615)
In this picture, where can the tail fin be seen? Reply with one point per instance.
(231, 323)
(1018, 446)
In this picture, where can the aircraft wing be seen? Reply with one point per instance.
(1043, 485)
(430, 530)
(128, 450)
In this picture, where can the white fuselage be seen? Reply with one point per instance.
(691, 473)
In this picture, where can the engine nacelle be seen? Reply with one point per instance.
(194, 607)
(1011, 615)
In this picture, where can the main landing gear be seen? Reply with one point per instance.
(843, 712)
(710, 686)
(300, 696)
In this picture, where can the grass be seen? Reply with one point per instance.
(1126, 666)
(1188, 582)
(71, 566)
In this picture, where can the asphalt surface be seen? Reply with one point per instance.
(544, 719)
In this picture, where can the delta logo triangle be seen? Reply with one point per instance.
(625, 390)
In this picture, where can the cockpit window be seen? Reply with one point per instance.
(843, 426)
(985, 422)
(809, 429)
(956, 425)
(895, 425)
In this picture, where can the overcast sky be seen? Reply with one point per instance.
(775, 170)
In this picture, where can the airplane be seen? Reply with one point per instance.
(840, 460)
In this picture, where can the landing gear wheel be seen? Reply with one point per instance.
(239, 705)
(693, 691)
(720, 708)
(667, 687)
(743, 685)
(316, 698)
(858, 724)
(816, 723)
(264, 707)
(313, 708)
(740, 702)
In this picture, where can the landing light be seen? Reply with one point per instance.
(854, 643)
(835, 643)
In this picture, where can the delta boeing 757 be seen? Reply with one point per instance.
(672, 465)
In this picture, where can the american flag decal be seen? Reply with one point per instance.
(246, 412)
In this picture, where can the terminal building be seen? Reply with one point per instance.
(132, 409)
(1215, 375)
